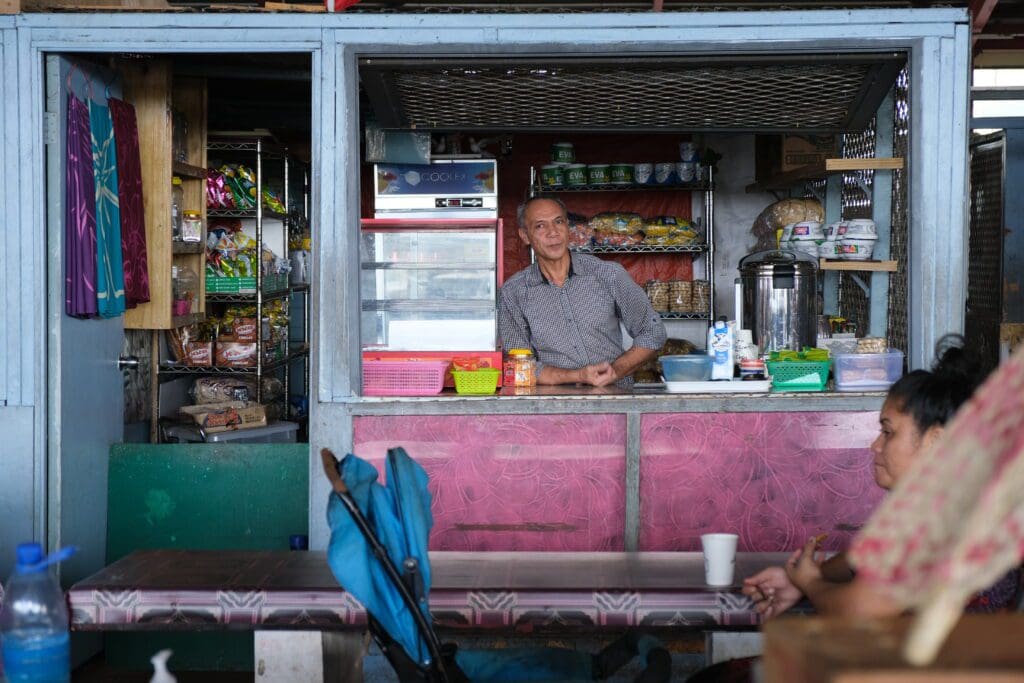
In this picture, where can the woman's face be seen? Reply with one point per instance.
(898, 443)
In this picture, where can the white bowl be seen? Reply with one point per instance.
(857, 248)
(860, 227)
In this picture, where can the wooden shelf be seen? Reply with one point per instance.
(183, 170)
(880, 164)
(187, 247)
(784, 181)
(182, 320)
(875, 266)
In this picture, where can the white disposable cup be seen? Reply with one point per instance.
(719, 558)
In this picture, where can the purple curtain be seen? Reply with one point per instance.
(79, 215)
(129, 187)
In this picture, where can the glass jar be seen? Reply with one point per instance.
(177, 207)
(520, 368)
(192, 226)
(185, 290)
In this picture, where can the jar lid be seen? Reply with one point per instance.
(192, 213)
(520, 352)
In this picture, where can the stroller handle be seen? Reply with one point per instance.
(330, 464)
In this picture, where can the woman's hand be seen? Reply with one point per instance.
(772, 591)
(803, 568)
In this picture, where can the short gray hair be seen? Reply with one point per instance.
(521, 211)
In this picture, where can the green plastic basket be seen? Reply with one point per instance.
(482, 381)
(802, 375)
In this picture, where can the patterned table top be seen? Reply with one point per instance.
(513, 591)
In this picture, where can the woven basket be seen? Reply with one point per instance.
(804, 375)
(482, 381)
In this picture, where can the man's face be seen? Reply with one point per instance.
(546, 229)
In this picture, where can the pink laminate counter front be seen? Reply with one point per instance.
(558, 482)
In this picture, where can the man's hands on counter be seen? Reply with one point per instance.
(598, 374)
(601, 374)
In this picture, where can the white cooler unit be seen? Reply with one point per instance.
(444, 188)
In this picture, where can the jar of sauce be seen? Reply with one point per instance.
(520, 368)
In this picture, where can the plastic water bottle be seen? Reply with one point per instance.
(34, 621)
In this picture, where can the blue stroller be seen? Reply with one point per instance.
(375, 529)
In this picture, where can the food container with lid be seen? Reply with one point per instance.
(552, 175)
(664, 173)
(621, 174)
(806, 230)
(575, 175)
(858, 248)
(859, 226)
(563, 153)
(867, 371)
(833, 231)
(520, 368)
(643, 174)
(694, 367)
(598, 174)
(829, 249)
(686, 171)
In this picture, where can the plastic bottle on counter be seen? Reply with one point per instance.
(177, 207)
(34, 620)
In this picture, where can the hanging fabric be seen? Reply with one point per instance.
(109, 272)
(79, 215)
(129, 190)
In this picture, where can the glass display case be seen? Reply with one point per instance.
(429, 284)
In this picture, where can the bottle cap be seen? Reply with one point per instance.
(520, 352)
(28, 556)
(175, 180)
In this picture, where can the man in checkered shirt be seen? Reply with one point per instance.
(568, 307)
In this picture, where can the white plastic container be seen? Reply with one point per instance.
(275, 432)
(829, 249)
(859, 248)
(807, 230)
(867, 371)
(860, 226)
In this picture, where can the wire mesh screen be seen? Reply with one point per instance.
(765, 93)
(898, 241)
(856, 203)
(984, 270)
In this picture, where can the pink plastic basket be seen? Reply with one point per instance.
(403, 377)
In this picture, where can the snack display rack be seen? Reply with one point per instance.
(259, 152)
(706, 187)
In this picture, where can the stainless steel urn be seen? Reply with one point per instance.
(779, 296)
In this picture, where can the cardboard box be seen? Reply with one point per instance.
(804, 150)
(775, 154)
(198, 354)
(236, 355)
(228, 416)
(241, 330)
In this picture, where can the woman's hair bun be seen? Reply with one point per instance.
(953, 363)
